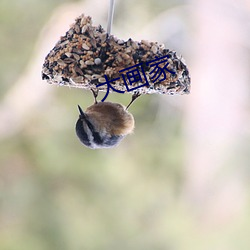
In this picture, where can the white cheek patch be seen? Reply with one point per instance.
(89, 133)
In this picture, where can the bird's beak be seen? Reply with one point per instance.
(82, 115)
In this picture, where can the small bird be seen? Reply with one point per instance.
(104, 125)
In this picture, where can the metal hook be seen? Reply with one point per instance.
(110, 15)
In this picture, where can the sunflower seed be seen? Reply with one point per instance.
(61, 62)
(101, 80)
(95, 76)
(77, 57)
(77, 29)
(88, 62)
(69, 60)
(154, 49)
(85, 46)
(77, 79)
(68, 54)
(78, 70)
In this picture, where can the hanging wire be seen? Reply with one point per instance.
(110, 15)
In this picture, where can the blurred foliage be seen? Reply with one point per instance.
(56, 194)
(20, 23)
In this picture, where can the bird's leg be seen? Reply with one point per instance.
(95, 94)
(134, 97)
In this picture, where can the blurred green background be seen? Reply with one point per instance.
(181, 181)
